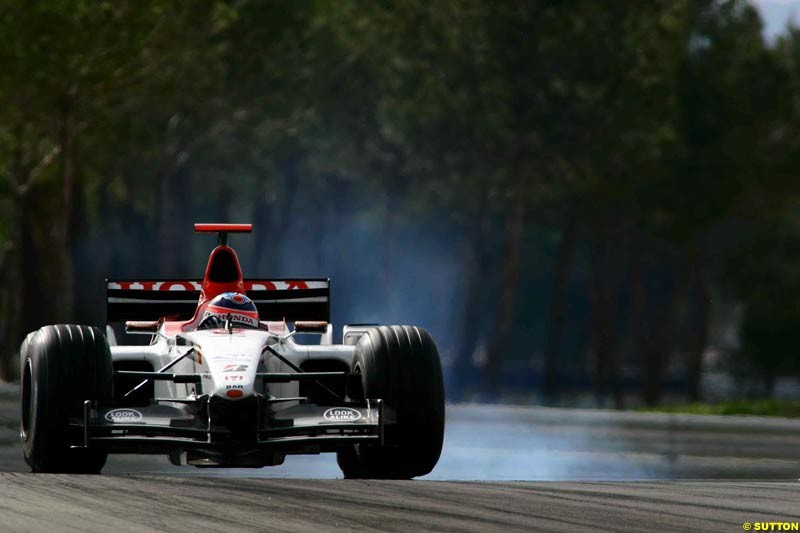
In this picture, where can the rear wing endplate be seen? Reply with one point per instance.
(276, 299)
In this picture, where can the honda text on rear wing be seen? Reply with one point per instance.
(277, 299)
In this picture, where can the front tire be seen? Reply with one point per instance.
(399, 364)
(61, 367)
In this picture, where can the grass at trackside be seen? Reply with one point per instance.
(782, 408)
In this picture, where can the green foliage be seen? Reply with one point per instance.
(671, 119)
(763, 273)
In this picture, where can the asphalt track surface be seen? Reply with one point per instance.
(503, 469)
(186, 503)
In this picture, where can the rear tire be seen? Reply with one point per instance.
(399, 364)
(61, 367)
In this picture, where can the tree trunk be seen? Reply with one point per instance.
(134, 227)
(102, 252)
(640, 320)
(285, 209)
(84, 311)
(387, 239)
(174, 222)
(262, 227)
(182, 183)
(165, 225)
(663, 341)
(509, 287)
(63, 261)
(652, 375)
(478, 265)
(12, 267)
(325, 191)
(645, 323)
(168, 215)
(558, 305)
(698, 325)
(603, 310)
(30, 268)
(769, 384)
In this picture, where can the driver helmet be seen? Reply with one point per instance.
(240, 308)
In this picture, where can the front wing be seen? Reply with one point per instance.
(250, 432)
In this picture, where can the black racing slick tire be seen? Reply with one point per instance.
(400, 365)
(61, 367)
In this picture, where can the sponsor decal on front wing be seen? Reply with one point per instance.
(341, 414)
(123, 416)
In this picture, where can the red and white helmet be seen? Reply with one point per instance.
(233, 306)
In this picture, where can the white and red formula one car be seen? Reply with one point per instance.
(225, 383)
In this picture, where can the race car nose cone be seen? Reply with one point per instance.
(234, 393)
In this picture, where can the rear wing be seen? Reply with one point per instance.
(276, 299)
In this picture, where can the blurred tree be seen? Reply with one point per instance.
(729, 91)
(759, 266)
(74, 73)
(763, 275)
(640, 133)
(49, 78)
(618, 77)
